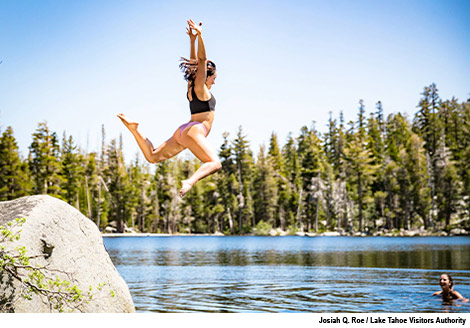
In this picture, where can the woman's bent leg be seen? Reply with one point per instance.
(194, 139)
(165, 151)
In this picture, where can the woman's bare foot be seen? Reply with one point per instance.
(185, 187)
(131, 125)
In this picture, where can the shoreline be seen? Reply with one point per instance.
(307, 234)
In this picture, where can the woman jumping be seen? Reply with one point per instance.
(200, 74)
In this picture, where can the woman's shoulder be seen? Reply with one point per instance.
(456, 294)
(202, 92)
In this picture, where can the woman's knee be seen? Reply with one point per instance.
(155, 158)
(152, 160)
(214, 165)
(217, 165)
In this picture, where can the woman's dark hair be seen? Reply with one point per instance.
(189, 68)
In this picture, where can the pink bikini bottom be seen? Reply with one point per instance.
(191, 123)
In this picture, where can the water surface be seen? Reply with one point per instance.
(291, 274)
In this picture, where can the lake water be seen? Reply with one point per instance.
(291, 274)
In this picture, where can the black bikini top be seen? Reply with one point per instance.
(199, 106)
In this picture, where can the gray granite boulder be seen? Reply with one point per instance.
(70, 246)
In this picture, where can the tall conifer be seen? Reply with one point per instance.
(14, 180)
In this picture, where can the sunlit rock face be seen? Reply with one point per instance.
(58, 237)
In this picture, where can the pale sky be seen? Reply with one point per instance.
(281, 64)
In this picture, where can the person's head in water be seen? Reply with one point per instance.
(189, 69)
(446, 282)
(447, 289)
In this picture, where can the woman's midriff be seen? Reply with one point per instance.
(205, 118)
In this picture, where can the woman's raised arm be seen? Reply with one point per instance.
(201, 75)
(192, 39)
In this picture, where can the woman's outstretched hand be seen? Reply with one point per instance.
(193, 26)
(189, 32)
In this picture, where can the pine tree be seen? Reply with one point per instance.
(464, 163)
(116, 179)
(312, 159)
(379, 117)
(139, 182)
(14, 180)
(360, 164)
(102, 202)
(361, 173)
(276, 161)
(227, 185)
(155, 220)
(339, 162)
(213, 204)
(266, 193)
(375, 143)
(416, 198)
(44, 163)
(447, 185)
(71, 171)
(328, 195)
(91, 186)
(342, 204)
(429, 127)
(361, 121)
(166, 207)
(244, 163)
(426, 122)
(173, 205)
(330, 140)
(392, 190)
(292, 164)
(452, 123)
(194, 203)
(293, 192)
(226, 156)
(274, 154)
(398, 134)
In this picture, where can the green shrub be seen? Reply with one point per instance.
(262, 229)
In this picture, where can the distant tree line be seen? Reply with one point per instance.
(371, 174)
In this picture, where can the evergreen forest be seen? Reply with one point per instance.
(373, 174)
